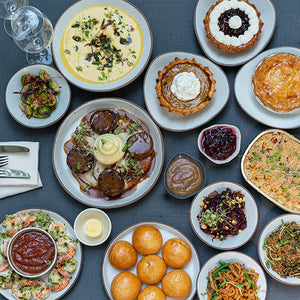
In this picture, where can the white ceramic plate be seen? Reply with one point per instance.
(64, 133)
(224, 58)
(250, 210)
(174, 121)
(122, 4)
(167, 232)
(245, 96)
(267, 230)
(12, 100)
(78, 256)
(228, 257)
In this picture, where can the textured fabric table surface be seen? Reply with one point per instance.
(172, 25)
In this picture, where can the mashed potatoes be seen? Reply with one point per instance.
(108, 148)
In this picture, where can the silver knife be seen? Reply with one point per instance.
(11, 173)
(13, 149)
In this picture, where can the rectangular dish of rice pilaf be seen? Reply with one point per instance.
(271, 164)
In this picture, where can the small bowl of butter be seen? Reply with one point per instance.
(92, 227)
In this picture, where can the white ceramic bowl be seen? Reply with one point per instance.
(228, 257)
(126, 6)
(81, 220)
(193, 160)
(251, 212)
(9, 250)
(233, 155)
(12, 100)
(267, 230)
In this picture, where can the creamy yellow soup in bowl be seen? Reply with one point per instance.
(100, 47)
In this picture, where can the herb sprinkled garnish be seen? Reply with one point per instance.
(282, 250)
(103, 53)
(126, 41)
(76, 38)
(222, 214)
(255, 156)
(103, 141)
(97, 35)
(76, 25)
(126, 146)
(81, 132)
(129, 167)
(103, 25)
(134, 127)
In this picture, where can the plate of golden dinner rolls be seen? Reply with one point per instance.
(150, 259)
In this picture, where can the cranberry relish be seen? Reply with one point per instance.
(219, 142)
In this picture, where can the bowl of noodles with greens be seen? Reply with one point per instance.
(279, 249)
(231, 275)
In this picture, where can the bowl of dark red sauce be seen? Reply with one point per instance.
(220, 143)
(184, 176)
(32, 252)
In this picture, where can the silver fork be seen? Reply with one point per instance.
(3, 160)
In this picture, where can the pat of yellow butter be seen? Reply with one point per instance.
(93, 228)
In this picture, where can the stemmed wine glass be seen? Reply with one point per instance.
(7, 9)
(32, 31)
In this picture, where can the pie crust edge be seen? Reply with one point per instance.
(226, 47)
(165, 103)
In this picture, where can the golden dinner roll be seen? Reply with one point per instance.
(152, 292)
(147, 239)
(125, 286)
(176, 253)
(122, 255)
(151, 269)
(177, 284)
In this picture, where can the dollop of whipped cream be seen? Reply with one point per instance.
(185, 86)
(235, 22)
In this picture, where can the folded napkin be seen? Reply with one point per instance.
(27, 162)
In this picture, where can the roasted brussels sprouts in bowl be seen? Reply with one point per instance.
(38, 95)
(42, 93)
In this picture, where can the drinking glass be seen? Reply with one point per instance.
(7, 9)
(32, 32)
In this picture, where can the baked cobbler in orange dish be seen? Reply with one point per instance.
(185, 86)
(276, 82)
(233, 25)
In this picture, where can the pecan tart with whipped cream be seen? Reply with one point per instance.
(185, 86)
(233, 25)
(276, 82)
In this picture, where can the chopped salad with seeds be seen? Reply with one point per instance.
(223, 214)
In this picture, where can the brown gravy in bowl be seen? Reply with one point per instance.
(183, 177)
